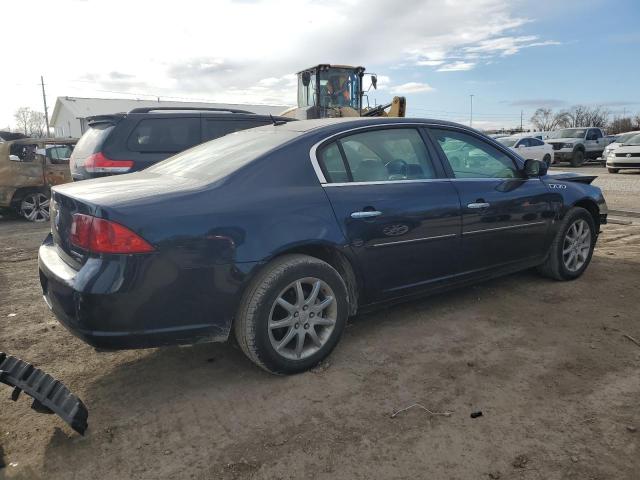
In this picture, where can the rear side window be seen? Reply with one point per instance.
(216, 128)
(378, 156)
(535, 142)
(332, 164)
(164, 135)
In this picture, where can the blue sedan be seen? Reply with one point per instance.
(278, 234)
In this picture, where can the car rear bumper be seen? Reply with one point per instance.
(133, 301)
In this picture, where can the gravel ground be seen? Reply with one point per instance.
(546, 362)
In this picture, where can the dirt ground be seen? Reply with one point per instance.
(546, 362)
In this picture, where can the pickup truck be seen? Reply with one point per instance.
(576, 145)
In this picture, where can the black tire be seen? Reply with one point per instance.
(554, 266)
(547, 159)
(251, 323)
(577, 159)
(613, 170)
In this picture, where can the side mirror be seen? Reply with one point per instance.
(374, 81)
(306, 78)
(534, 168)
(14, 158)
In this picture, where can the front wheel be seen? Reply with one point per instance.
(547, 160)
(35, 207)
(572, 247)
(578, 158)
(613, 170)
(292, 315)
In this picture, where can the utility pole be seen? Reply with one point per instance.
(44, 99)
(471, 112)
(521, 112)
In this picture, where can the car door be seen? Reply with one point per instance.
(594, 142)
(505, 217)
(399, 213)
(55, 158)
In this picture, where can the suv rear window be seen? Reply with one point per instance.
(164, 135)
(92, 140)
(216, 128)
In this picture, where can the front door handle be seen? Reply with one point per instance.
(479, 205)
(366, 214)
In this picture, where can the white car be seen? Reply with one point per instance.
(529, 147)
(619, 139)
(626, 156)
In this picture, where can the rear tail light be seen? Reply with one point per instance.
(98, 235)
(99, 163)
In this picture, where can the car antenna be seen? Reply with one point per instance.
(276, 122)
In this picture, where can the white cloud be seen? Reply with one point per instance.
(411, 87)
(251, 53)
(458, 66)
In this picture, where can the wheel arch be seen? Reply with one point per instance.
(592, 207)
(338, 260)
(20, 193)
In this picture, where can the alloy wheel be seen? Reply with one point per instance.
(576, 245)
(302, 318)
(35, 207)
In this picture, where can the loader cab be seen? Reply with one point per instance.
(330, 91)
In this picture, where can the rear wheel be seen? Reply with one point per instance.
(547, 159)
(35, 207)
(613, 170)
(578, 158)
(292, 315)
(572, 247)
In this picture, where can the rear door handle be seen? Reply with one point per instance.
(479, 205)
(366, 214)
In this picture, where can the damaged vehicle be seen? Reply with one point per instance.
(29, 167)
(278, 234)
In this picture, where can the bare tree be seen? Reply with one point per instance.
(620, 124)
(636, 121)
(37, 124)
(22, 119)
(586, 116)
(543, 120)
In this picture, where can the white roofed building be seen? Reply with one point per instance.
(69, 117)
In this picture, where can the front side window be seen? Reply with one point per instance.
(594, 134)
(471, 157)
(377, 156)
(165, 135)
(535, 142)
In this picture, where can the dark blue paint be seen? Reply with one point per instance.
(212, 238)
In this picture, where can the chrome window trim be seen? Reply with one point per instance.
(413, 240)
(508, 227)
(323, 180)
(314, 148)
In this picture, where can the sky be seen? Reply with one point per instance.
(512, 56)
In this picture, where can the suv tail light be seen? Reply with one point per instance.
(99, 163)
(98, 235)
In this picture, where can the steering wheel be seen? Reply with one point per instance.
(397, 169)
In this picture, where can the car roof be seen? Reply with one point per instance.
(303, 126)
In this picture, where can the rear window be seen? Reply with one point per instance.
(216, 128)
(92, 140)
(218, 158)
(164, 135)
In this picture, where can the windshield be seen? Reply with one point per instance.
(340, 87)
(220, 157)
(633, 140)
(570, 133)
(625, 137)
(508, 142)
